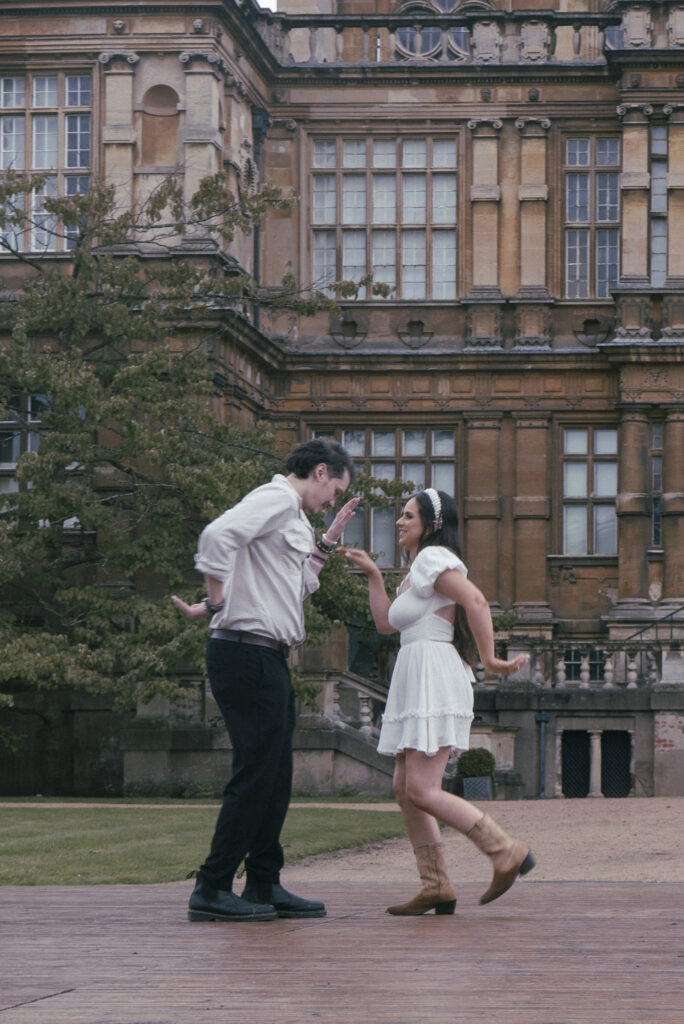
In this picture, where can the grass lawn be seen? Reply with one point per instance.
(99, 846)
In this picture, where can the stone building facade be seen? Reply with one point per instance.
(513, 170)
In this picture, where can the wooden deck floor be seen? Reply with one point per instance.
(546, 953)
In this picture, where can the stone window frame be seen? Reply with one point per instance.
(329, 219)
(657, 454)
(67, 105)
(392, 452)
(586, 237)
(658, 203)
(20, 431)
(591, 501)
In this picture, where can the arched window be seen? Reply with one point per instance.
(425, 42)
(160, 132)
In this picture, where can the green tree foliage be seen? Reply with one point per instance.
(117, 345)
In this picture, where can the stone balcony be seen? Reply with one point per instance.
(473, 37)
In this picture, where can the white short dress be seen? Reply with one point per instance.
(430, 699)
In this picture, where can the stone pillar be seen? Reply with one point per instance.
(558, 766)
(532, 320)
(633, 507)
(482, 502)
(635, 183)
(118, 131)
(533, 194)
(484, 330)
(595, 763)
(675, 205)
(633, 292)
(531, 511)
(485, 196)
(201, 139)
(673, 506)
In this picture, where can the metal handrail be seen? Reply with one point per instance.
(654, 625)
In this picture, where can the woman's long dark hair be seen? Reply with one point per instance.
(446, 536)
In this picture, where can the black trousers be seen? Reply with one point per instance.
(252, 688)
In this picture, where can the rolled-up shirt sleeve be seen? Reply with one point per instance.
(250, 518)
(310, 580)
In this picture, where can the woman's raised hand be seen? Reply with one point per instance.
(362, 560)
(499, 667)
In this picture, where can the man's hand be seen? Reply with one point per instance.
(336, 528)
(194, 611)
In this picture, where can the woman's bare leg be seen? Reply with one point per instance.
(425, 799)
(437, 893)
(421, 826)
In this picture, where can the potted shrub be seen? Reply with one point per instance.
(475, 768)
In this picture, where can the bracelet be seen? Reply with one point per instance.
(213, 606)
(325, 545)
(317, 558)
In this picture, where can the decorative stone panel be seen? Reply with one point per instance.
(486, 43)
(634, 319)
(675, 27)
(484, 328)
(637, 28)
(535, 43)
(673, 319)
(532, 328)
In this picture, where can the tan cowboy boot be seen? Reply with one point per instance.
(437, 891)
(509, 857)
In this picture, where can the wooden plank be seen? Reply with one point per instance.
(546, 953)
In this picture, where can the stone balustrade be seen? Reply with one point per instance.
(480, 38)
(610, 665)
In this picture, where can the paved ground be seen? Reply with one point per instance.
(594, 934)
(639, 840)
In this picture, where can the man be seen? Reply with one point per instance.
(260, 560)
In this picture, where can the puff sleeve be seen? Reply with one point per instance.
(430, 563)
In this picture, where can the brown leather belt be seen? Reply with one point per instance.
(240, 636)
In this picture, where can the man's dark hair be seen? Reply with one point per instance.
(306, 456)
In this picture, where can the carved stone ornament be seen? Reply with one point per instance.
(628, 108)
(288, 123)
(673, 319)
(476, 122)
(249, 177)
(675, 27)
(346, 333)
(486, 43)
(522, 122)
(633, 319)
(535, 43)
(126, 55)
(211, 58)
(532, 328)
(484, 328)
(637, 30)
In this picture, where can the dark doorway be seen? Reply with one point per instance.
(616, 755)
(575, 762)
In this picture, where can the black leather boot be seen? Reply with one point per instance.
(208, 904)
(286, 903)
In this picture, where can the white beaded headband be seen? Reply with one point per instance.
(436, 505)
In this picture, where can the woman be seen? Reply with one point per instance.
(444, 620)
